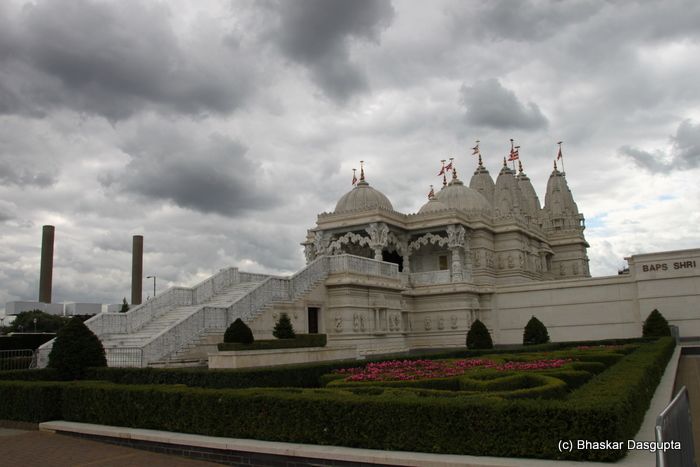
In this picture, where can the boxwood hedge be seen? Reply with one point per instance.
(610, 406)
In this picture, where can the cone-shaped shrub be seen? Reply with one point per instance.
(239, 332)
(283, 328)
(656, 325)
(75, 349)
(535, 332)
(478, 336)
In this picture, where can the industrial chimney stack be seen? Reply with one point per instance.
(46, 273)
(137, 270)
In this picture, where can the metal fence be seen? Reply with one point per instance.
(674, 425)
(20, 359)
(125, 357)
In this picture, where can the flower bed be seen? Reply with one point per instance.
(409, 370)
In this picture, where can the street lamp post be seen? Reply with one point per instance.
(154, 284)
(34, 324)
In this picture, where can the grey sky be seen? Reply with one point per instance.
(219, 129)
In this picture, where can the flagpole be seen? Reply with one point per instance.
(561, 155)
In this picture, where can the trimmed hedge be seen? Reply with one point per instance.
(300, 341)
(478, 336)
(300, 376)
(43, 374)
(36, 401)
(535, 332)
(655, 325)
(609, 407)
(238, 332)
(76, 348)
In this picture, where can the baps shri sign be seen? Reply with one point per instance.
(666, 266)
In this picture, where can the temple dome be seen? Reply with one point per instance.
(361, 197)
(482, 182)
(433, 205)
(457, 196)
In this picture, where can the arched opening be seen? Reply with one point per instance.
(393, 257)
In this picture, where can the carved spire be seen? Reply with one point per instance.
(454, 168)
(362, 171)
(520, 167)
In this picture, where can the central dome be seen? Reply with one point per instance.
(362, 197)
(457, 196)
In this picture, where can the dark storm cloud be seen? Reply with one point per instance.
(489, 104)
(684, 153)
(112, 60)
(317, 34)
(209, 175)
(522, 20)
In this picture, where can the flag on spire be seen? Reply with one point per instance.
(475, 149)
(514, 154)
(442, 170)
(448, 167)
(354, 177)
(559, 156)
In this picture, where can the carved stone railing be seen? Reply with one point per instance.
(359, 265)
(247, 308)
(431, 277)
(132, 320)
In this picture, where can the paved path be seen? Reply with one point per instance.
(20, 448)
(689, 376)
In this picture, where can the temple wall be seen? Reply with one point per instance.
(607, 307)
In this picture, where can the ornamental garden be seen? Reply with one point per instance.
(516, 402)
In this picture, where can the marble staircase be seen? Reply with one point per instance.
(167, 320)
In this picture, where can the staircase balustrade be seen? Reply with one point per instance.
(247, 307)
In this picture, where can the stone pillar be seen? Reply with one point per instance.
(456, 235)
(46, 274)
(378, 238)
(456, 265)
(137, 270)
(406, 266)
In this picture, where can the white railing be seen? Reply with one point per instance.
(132, 320)
(247, 308)
(357, 264)
(431, 277)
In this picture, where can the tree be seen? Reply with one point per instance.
(655, 325)
(45, 322)
(125, 306)
(283, 328)
(535, 332)
(239, 332)
(75, 349)
(478, 336)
